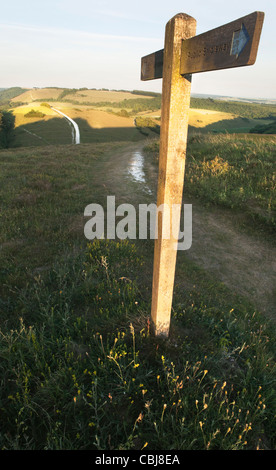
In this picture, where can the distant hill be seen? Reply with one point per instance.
(104, 115)
(34, 94)
(79, 95)
(136, 100)
(232, 98)
(245, 110)
(7, 94)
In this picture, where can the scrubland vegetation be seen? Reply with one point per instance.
(236, 172)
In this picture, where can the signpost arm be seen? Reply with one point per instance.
(173, 140)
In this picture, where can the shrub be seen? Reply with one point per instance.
(34, 113)
(46, 105)
(123, 113)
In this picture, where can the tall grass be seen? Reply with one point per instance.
(82, 371)
(237, 172)
(79, 366)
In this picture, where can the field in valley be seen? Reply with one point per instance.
(107, 115)
(80, 368)
(94, 125)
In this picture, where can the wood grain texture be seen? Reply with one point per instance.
(152, 66)
(173, 140)
(211, 50)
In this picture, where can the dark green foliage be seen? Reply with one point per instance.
(247, 110)
(9, 93)
(67, 91)
(123, 113)
(145, 123)
(7, 122)
(33, 114)
(265, 129)
(146, 93)
(46, 105)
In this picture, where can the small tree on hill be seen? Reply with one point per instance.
(7, 124)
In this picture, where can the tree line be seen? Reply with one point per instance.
(246, 110)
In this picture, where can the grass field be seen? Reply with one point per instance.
(204, 117)
(37, 94)
(79, 366)
(113, 126)
(232, 171)
(95, 126)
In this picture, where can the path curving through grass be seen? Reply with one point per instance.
(75, 128)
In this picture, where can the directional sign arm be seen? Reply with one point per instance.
(232, 45)
(152, 65)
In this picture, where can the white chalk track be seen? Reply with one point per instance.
(75, 128)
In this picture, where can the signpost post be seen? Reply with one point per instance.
(232, 45)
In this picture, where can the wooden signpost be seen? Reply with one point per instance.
(232, 45)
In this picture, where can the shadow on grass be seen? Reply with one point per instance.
(57, 131)
(227, 126)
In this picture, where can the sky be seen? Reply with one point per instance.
(99, 44)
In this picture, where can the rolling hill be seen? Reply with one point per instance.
(110, 115)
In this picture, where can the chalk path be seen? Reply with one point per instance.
(75, 128)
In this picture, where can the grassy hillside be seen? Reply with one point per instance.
(7, 95)
(247, 110)
(79, 367)
(37, 94)
(262, 128)
(108, 115)
(78, 95)
(100, 115)
(94, 125)
(237, 172)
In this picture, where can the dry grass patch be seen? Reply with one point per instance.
(37, 94)
(99, 119)
(20, 112)
(198, 117)
(96, 96)
(205, 117)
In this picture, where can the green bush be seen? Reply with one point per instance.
(46, 105)
(34, 114)
(145, 123)
(123, 113)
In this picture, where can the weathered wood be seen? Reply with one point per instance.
(233, 45)
(173, 139)
(152, 65)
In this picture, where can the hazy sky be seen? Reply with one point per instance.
(99, 43)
